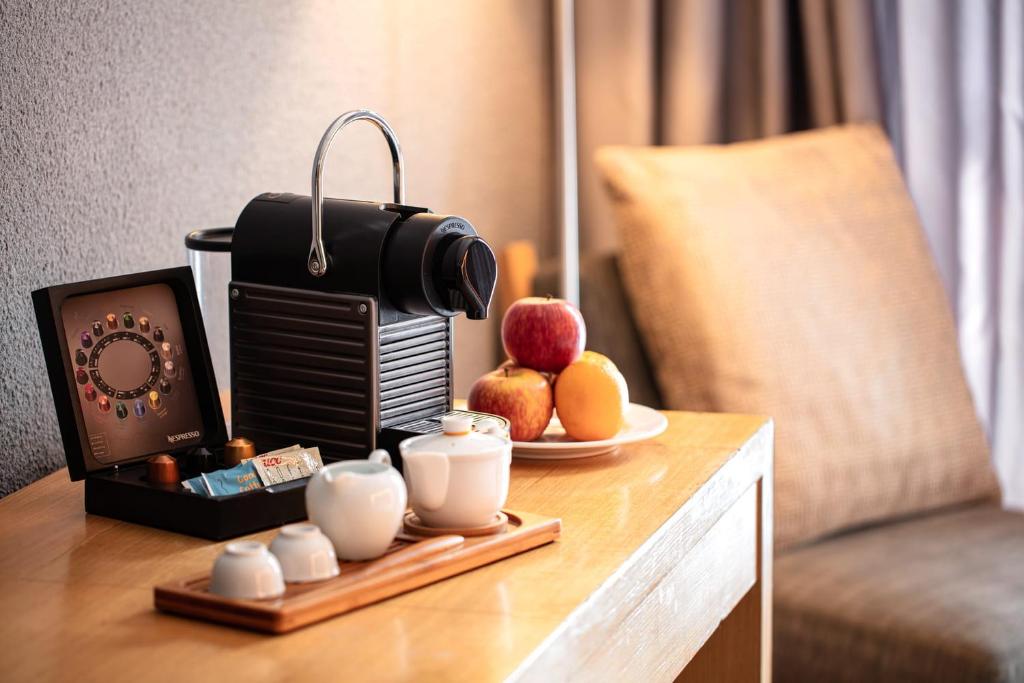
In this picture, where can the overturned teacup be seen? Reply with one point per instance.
(305, 553)
(457, 479)
(247, 570)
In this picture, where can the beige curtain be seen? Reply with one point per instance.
(705, 71)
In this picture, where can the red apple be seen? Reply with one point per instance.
(543, 334)
(520, 395)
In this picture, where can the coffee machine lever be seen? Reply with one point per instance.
(317, 253)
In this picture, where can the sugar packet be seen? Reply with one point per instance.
(242, 477)
(279, 451)
(276, 467)
(287, 464)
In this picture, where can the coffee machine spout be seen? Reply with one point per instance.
(469, 272)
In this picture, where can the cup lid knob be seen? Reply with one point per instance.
(453, 425)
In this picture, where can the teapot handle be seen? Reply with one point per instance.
(380, 455)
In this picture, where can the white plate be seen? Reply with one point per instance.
(554, 444)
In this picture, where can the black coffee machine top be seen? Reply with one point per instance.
(412, 261)
(341, 337)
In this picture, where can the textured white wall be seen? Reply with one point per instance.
(123, 125)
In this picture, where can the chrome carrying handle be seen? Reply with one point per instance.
(317, 262)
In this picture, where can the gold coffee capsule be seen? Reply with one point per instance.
(237, 450)
(163, 469)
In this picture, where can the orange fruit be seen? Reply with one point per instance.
(591, 398)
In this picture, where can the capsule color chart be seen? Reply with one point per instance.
(135, 389)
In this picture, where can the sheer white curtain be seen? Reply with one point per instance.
(953, 81)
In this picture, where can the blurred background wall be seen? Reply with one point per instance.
(125, 124)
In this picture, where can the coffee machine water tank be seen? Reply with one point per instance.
(341, 337)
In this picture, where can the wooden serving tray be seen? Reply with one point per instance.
(412, 562)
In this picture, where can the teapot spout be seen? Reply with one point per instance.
(335, 476)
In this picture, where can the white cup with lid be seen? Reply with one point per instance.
(459, 478)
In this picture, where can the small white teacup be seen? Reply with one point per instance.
(305, 553)
(246, 570)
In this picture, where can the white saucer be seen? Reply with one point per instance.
(554, 444)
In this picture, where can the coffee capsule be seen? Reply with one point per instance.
(237, 450)
(200, 460)
(163, 469)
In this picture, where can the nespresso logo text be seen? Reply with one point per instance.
(184, 436)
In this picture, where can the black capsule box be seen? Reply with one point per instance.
(131, 376)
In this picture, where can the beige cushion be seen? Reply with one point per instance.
(790, 277)
(932, 599)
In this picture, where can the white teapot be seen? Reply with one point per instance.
(458, 479)
(358, 504)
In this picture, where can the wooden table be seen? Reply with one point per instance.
(664, 563)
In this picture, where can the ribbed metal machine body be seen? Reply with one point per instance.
(303, 368)
(415, 370)
(314, 367)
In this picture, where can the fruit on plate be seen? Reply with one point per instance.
(591, 397)
(543, 333)
(520, 395)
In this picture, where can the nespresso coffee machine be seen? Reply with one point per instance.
(341, 313)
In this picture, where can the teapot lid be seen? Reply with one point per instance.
(458, 437)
